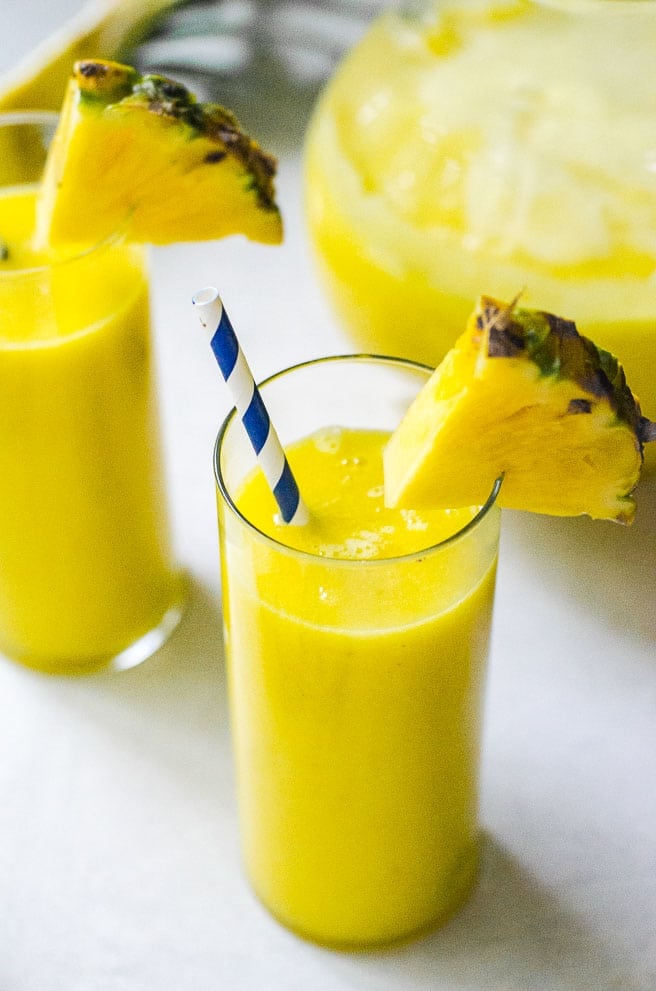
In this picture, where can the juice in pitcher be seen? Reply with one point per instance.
(492, 146)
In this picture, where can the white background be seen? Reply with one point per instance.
(119, 863)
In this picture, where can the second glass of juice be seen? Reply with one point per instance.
(87, 577)
(357, 650)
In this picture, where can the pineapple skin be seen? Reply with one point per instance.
(142, 151)
(554, 344)
(524, 396)
(108, 82)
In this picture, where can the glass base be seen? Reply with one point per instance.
(371, 937)
(150, 642)
(134, 654)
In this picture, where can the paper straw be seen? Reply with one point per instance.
(250, 406)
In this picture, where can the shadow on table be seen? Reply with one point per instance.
(194, 653)
(170, 711)
(189, 663)
(513, 935)
(607, 568)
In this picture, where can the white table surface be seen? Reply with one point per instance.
(119, 863)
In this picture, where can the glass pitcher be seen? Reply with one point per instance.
(499, 147)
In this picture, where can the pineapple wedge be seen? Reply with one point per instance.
(524, 396)
(141, 150)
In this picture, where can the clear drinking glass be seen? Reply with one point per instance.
(87, 578)
(356, 690)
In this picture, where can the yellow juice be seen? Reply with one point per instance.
(449, 158)
(357, 661)
(85, 564)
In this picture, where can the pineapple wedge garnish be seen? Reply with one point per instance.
(141, 151)
(523, 396)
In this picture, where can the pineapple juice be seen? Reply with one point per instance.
(357, 647)
(85, 564)
(495, 146)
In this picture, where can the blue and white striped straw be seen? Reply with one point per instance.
(250, 407)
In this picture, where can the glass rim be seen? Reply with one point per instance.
(34, 118)
(310, 556)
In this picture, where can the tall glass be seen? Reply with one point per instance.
(87, 578)
(356, 690)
